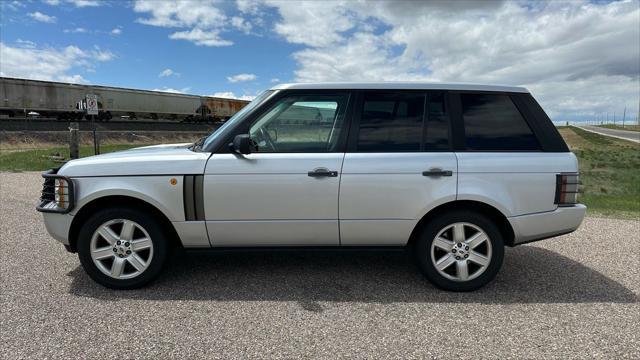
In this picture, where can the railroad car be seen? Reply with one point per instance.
(19, 97)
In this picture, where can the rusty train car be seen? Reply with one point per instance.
(48, 99)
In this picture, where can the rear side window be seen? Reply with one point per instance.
(391, 122)
(493, 123)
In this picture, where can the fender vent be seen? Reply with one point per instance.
(193, 198)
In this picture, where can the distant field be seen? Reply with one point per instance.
(619, 127)
(609, 172)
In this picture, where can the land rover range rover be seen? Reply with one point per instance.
(452, 172)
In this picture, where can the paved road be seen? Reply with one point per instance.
(622, 134)
(572, 297)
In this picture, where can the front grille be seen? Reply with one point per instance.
(48, 190)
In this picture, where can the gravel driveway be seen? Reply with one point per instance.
(571, 297)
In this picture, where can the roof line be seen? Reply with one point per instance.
(400, 86)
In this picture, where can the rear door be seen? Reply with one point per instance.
(399, 164)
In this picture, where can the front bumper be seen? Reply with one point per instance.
(534, 227)
(58, 225)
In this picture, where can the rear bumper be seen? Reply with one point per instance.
(534, 227)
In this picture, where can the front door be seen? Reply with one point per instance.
(286, 191)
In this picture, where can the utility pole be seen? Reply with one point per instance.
(624, 115)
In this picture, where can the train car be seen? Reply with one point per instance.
(19, 97)
(220, 109)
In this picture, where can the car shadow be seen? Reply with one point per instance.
(529, 275)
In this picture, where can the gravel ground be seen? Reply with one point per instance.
(572, 297)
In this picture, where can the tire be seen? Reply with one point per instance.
(437, 244)
(136, 268)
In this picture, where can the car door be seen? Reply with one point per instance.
(398, 165)
(286, 191)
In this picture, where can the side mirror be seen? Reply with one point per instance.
(241, 144)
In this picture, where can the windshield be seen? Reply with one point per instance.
(236, 117)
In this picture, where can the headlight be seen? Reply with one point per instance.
(62, 193)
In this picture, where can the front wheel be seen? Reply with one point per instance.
(122, 248)
(460, 251)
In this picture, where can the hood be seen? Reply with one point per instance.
(171, 159)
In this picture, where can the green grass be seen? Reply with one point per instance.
(619, 127)
(609, 172)
(38, 160)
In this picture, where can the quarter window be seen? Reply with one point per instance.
(391, 123)
(301, 124)
(493, 123)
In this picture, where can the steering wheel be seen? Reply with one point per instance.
(264, 134)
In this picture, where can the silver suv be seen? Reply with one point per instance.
(451, 172)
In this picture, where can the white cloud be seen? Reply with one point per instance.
(38, 16)
(72, 79)
(172, 90)
(76, 30)
(201, 21)
(76, 3)
(13, 5)
(275, 80)
(116, 31)
(201, 37)
(26, 43)
(575, 56)
(241, 77)
(49, 63)
(168, 72)
(241, 24)
(85, 3)
(231, 95)
(101, 55)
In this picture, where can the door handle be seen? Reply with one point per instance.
(435, 172)
(322, 172)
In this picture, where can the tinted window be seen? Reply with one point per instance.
(391, 122)
(301, 124)
(492, 122)
(437, 125)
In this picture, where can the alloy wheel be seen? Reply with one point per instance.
(121, 248)
(461, 252)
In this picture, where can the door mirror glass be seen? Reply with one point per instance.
(241, 144)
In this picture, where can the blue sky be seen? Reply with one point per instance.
(140, 53)
(581, 59)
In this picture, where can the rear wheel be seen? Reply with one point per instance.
(122, 248)
(460, 251)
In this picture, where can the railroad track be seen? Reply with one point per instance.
(22, 124)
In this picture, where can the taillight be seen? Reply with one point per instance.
(566, 189)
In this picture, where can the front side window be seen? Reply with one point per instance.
(391, 122)
(306, 123)
(237, 117)
(493, 123)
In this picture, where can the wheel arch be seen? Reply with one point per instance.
(483, 208)
(111, 201)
